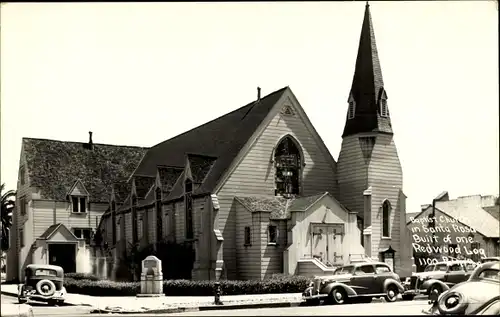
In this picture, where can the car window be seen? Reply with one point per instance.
(441, 267)
(470, 266)
(490, 274)
(429, 268)
(456, 267)
(382, 269)
(365, 269)
(344, 270)
(45, 272)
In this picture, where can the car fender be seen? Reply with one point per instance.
(349, 290)
(429, 283)
(391, 281)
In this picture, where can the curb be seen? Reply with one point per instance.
(202, 308)
(15, 295)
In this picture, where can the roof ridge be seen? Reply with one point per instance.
(106, 144)
(219, 117)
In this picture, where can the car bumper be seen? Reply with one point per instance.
(59, 296)
(310, 294)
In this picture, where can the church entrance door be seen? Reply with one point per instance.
(327, 242)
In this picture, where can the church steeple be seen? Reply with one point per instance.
(368, 111)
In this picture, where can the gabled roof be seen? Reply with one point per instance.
(168, 177)
(143, 185)
(122, 191)
(221, 138)
(367, 85)
(54, 166)
(470, 212)
(53, 229)
(279, 207)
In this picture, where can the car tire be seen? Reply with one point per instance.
(52, 287)
(435, 288)
(408, 297)
(391, 294)
(338, 296)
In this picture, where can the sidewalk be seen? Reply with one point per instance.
(129, 304)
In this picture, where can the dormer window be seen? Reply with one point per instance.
(352, 108)
(79, 204)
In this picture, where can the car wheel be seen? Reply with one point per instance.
(391, 294)
(408, 297)
(338, 296)
(436, 290)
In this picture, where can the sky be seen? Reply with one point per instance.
(141, 73)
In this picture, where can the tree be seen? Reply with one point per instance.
(8, 205)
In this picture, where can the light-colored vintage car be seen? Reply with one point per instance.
(359, 282)
(437, 278)
(480, 295)
(42, 283)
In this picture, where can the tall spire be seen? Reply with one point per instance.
(368, 110)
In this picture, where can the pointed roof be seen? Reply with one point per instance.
(367, 86)
(222, 139)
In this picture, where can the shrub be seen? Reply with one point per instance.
(82, 276)
(273, 285)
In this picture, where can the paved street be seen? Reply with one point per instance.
(41, 309)
(377, 308)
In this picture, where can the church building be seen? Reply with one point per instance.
(256, 191)
(252, 193)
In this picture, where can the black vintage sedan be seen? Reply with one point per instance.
(356, 282)
(480, 295)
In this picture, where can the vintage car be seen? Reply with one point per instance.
(437, 278)
(490, 259)
(42, 283)
(355, 282)
(480, 295)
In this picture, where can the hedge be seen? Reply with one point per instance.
(274, 285)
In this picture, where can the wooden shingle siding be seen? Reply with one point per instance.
(43, 213)
(386, 178)
(271, 255)
(227, 226)
(247, 257)
(255, 173)
(352, 175)
(180, 215)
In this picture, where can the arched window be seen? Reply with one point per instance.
(288, 167)
(386, 219)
